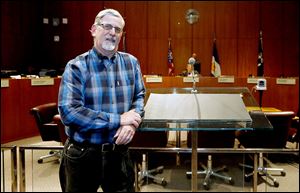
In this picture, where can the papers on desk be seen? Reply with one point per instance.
(264, 109)
(196, 107)
(4, 83)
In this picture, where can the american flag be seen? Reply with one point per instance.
(171, 66)
(260, 60)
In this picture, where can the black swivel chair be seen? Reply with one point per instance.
(212, 139)
(49, 131)
(275, 138)
(63, 137)
(293, 134)
(149, 139)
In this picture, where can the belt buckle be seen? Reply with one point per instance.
(103, 149)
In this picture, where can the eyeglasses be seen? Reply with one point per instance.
(109, 27)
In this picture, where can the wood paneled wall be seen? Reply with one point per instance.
(26, 41)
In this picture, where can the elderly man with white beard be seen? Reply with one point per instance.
(101, 104)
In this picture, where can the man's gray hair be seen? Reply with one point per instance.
(112, 12)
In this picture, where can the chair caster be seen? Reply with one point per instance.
(231, 182)
(188, 176)
(206, 186)
(247, 178)
(283, 173)
(225, 169)
(164, 182)
(276, 184)
(40, 161)
(159, 170)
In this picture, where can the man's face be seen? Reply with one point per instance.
(108, 34)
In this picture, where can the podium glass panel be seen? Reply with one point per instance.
(202, 108)
(210, 108)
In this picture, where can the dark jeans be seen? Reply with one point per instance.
(85, 168)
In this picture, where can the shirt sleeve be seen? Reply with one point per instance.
(139, 95)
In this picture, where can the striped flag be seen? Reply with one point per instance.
(215, 63)
(260, 60)
(171, 66)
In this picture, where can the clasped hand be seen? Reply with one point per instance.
(130, 121)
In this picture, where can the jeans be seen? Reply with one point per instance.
(86, 168)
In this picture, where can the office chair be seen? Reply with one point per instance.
(293, 134)
(212, 139)
(63, 137)
(275, 138)
(49, 131)
(149, 139)
(61, 128)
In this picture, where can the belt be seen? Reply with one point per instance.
(105, 147)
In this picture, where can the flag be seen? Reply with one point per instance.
(260, 60)
(215, 63)
(170, 61)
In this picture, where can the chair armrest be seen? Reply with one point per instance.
(61, 128)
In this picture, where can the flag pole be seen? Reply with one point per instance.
(214, 37)
(261, 91)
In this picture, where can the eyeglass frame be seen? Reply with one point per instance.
(109, 27)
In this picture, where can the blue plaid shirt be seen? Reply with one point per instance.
(94, 92)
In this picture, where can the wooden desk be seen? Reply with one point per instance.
(16, 101)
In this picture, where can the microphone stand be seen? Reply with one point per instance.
(260, 97)
(194, 82)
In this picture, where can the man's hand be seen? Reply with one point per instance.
(131, 118)
(124, 134)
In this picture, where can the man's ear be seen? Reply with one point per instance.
(93, 30)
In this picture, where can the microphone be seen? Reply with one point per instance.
(192, 60)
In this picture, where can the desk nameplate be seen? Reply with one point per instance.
(4, 83)
(252, 80)
(42, 81)
(289, 81)
(226, 79)
(153, 79)
(190, 79)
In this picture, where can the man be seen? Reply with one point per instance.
(197, 64)
(101, 102)
(189, 71)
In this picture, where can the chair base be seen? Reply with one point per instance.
(144, 174)
(264, 171)
(56, 154)
(209, 171)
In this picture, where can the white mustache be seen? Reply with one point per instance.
(113, 40)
